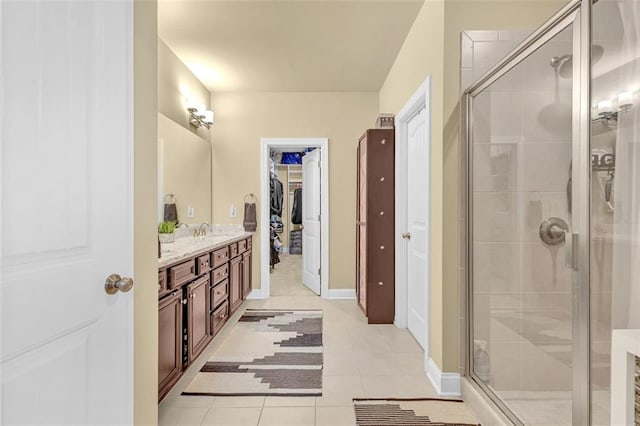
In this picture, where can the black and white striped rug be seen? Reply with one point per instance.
(414, 411)
(268, 352)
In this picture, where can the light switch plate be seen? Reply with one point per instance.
(191, 212)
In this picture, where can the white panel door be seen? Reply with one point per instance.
(417, 210)
(66, 111)
(311, 220)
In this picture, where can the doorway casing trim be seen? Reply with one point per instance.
(265, 145)
(421, 99)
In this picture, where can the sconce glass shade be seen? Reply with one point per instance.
(625, 100)
(208, 117)
(605, 107)
(192, 104)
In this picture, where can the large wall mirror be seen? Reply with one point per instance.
(184, 171)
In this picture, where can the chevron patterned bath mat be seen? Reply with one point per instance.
(409, 412)
(268, 352)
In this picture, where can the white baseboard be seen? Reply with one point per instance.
(341, 294)
(446, 384)
(256, 294)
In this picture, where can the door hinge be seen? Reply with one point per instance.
(318, 271)
(318, 217)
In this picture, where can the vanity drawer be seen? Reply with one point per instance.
(220, 273)
(162, 281)
(242, 246)
(219, 317)
(219, 293)
(233, 247)
(219, 257)
(249, 243)
(204, 264)
(182, 273)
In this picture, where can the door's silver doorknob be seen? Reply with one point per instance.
(406, 235)
(115, 283)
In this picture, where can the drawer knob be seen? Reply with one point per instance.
(382, 179)
(382, 213)
(383, 141)
(381, 247)
(380, 283)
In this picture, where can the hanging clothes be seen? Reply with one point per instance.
(296, 211)
(276, 196)
(274, 253)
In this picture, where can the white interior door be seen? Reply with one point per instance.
(418, 239)
(66, 128)
(311, 220)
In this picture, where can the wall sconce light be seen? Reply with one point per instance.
(604, 108)
(199, 116)
(625, 101)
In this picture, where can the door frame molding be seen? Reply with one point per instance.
(419, 100)
(265, 146)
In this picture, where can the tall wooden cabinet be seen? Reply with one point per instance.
(375, 226)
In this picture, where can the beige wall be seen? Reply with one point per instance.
(420, 57)
(186, 170)
(145, 233)
(176, 84)
(243, 118)
(436, 35)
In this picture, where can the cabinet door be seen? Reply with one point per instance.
(198, 308)
(235, 283)
(361, 232)
(246, 274)
(169, 342)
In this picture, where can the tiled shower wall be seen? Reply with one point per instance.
(522, 137)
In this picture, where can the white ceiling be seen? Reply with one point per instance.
(297, 45)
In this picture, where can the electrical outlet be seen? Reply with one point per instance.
(191, 212)
(233, 212)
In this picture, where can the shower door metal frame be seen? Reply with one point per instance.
(579, 14)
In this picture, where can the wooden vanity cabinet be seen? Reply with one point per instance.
(196, 298)
(198, 317)
(246, 274)
(182, 273)
(235, 283)
(162, 282)
(169, 342)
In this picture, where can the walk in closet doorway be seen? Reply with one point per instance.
(294, 217)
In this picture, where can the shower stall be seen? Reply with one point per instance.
(552, 191)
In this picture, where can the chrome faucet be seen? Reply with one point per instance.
(201, 231)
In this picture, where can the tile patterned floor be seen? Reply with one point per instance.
(360, 360)
(286, 277)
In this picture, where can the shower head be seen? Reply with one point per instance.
(564, 64)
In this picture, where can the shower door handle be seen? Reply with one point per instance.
(571, 250)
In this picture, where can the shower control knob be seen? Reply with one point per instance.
(553, 231)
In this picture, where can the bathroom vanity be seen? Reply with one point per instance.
(201, 283)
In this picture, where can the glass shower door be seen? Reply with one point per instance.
(615, 202)
(520, 197)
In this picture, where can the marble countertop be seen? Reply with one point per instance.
(186, 247)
